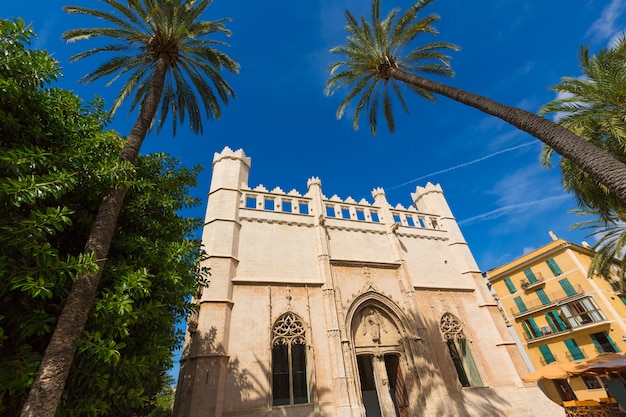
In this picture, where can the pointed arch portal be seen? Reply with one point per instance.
(378, 344)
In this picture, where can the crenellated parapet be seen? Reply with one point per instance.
(335, 209)
(228, 153)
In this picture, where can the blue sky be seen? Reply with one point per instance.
(512, 51)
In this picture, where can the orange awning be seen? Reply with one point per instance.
(553, 370)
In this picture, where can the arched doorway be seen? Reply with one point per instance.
(379, 350)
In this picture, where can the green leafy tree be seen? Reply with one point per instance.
(159, 45)
(55, 163)
(594, 107)
(378, 57)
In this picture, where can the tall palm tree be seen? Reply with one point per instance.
(593, 106)
(159, 44)
(374, 65)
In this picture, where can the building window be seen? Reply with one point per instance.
(269, 204)
(286, 206)
(548, 357)
(360, 215)
(554, 267)
(409, 221)
(543, 297)
(567, 287)
(330, 211)
(396, 218)
(303, 207)
(531, 329)
(374, 216)
(345, 212)
(556, 322)
(582, 312)
(289, 373)
(510, 285)
(459, 351)
(603, 342)
(530, 275)
(591, 382)
(574, 350)
(251, 202)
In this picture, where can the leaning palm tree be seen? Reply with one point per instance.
(592, 106)
(159, 46)
(375, 63)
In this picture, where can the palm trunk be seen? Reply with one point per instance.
(45, 394)
(600, 165)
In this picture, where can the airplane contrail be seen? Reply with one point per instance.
(491, 155)
(493, 214)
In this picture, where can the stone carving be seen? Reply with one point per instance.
(373, 325)
(288, 330)
(451, 328)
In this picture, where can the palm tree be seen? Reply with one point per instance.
(373, 66)
(159, 45)
(608, 260)
(593, 107)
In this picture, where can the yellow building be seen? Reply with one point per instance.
(558, 314)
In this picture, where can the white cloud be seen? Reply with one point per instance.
(604, 27)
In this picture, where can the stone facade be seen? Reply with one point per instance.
(327, 307)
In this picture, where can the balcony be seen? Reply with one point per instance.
(527, 285)
(533, 306)
(548, 333)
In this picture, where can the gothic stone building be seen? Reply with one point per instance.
(327, 307)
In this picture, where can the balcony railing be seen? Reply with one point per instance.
(547, 332)
(554, 297)
(527, 285)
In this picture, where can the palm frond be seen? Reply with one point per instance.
(148, 30)
(372, 47)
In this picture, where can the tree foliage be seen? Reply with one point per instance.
(374, 46)
(162, 42)
(56, 161)
(594, 107)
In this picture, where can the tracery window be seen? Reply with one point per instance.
(453, 334)
(289, 373)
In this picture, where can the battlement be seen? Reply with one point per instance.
(293, 202)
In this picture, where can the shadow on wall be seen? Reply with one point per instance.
(436, 360)
(245, 391)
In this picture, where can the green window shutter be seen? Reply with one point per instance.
(559, 321)
(567, 287)
(535, 328)
(530, 275)
(597, 343)
(615, 348)
(573, 348)
(520, 304)
(546, 353)
(554, 267)
(543, 297)
(510, 285)
(529, 335)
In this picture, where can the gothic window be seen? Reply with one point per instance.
(289, 373)
(454, 337)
